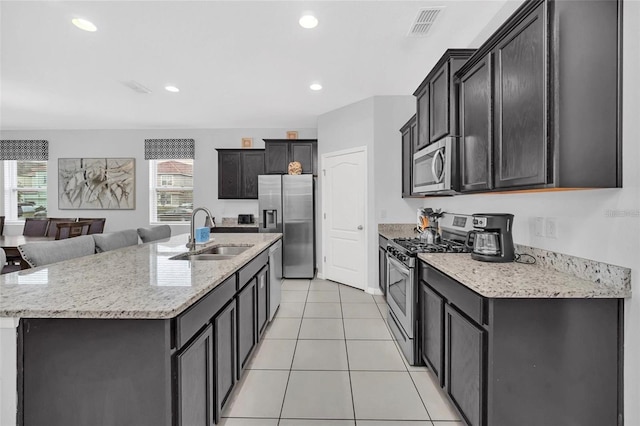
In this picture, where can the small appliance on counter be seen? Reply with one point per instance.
(245, 219)
(427, 225)
(492, 238)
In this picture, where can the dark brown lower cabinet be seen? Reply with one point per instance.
(431, 317)
(195, 381)
(522, 361)
(224, 331)
(247, 323)
(465, 364)
(263, 299)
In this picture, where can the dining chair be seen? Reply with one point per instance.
(1, 225)
(52, 230)
(35, 227)
(97, 224)
(47, 252)
(72, 229)
(154, 233)
(115, 240)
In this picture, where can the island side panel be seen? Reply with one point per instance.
(8, 371)
(99, 372)
(554, 362)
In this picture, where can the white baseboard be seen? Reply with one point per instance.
(374, 291)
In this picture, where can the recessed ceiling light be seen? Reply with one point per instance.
(316, 86)
(83, 24)
(173, 89)
(308, 21)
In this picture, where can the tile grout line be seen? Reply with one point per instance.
(284, 396)
(346, 349)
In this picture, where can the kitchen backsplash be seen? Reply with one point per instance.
(599, 272)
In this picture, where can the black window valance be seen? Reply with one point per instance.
(24, 150)
(168, 149)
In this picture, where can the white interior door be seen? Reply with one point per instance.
(343, 201)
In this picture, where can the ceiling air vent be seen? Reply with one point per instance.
(424, 21)
(136, 87)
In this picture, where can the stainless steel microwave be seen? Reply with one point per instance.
(434, 168)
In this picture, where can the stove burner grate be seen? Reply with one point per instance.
(416, 245)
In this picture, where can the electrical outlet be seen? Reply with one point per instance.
(551, 226)
(538, 227)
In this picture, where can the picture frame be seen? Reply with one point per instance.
(96, 183)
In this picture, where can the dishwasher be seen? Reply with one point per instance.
(275, 277)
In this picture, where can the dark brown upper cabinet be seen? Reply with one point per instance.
(238, 171)
(475, 127)
(280, 152)
(437, 100)
(409, 134)
(540, 100)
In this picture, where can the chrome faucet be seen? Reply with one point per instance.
(209, 221)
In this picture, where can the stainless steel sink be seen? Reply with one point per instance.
(226, 250)
(212, 253)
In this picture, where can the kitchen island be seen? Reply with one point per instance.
(132, 336)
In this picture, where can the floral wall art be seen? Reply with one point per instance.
(96, 183)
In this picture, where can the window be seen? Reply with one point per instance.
(25, 189)
(166, 180)
(171, 190)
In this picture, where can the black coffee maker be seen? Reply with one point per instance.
(491, 240)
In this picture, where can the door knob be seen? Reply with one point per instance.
(360, 228)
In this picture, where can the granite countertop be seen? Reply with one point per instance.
(517, 280)
(397, 230)
(554, 275)
(134, 282)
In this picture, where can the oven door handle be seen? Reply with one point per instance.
(402, 267)
(398, 264)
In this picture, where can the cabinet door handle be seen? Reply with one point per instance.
(360, 227)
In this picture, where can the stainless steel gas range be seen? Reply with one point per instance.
(402, 280)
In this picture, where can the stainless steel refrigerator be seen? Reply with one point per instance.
(286, 205)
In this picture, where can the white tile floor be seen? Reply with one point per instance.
(328, 359)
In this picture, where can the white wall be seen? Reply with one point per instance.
(130, 143)
(375, 123)
(585, 228)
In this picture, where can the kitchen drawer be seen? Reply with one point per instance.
(472, 304)
(199, 314)
(252, 268)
